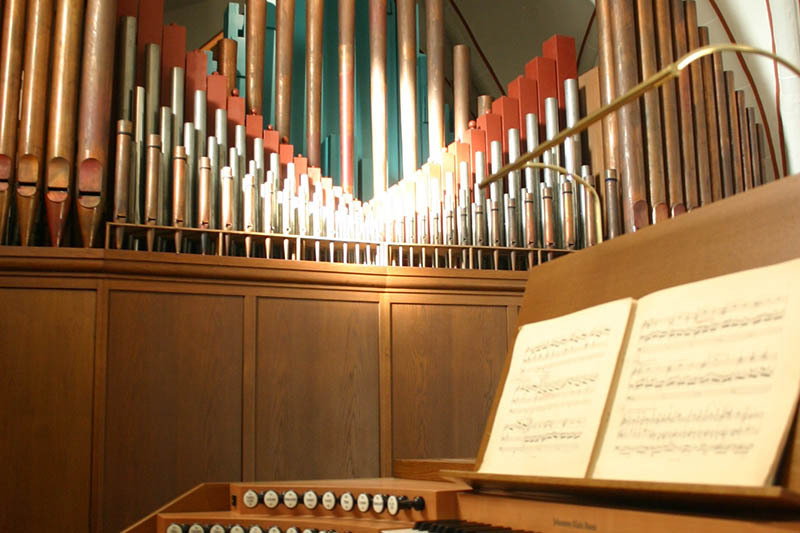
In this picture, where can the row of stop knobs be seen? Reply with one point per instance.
(217, 528)
(329, 500)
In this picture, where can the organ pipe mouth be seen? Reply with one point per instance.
(658, 79)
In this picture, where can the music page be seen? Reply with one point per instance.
(555, 392)
(709, 382)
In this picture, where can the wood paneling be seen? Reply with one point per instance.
(316, 389)
(446, 363)
(46, 355)
(174, 399)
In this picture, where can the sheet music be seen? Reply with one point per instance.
(555, 391)
(709, 382)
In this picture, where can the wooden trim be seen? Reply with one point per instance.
(249, 332)
(205, 497)
(429, 469)
(512, 312)
(99, 406)
(169, 266)
(385, 385)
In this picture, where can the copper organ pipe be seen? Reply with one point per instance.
(11, 51)
(672, 140)
(632, 178)
(347, 13)
(655, 153)
(122, 172)
(484, 104)
(254, 51)
(435, 55)
(686, 115)
(94, 117)
(226, 61)
(608, 86)
(315, 11)
(711, 119)
(733, 112)
(284, 39)
(460, 89)
(724, 126)
(377, 80)
(744, 135)
(700, 120)
(30, 146)
(63, 116)
(407, 48)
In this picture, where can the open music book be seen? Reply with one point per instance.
(692, 384)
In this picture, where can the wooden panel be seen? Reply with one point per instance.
(316, 389)
(174, 399)
(46, 367)
(740, 232)
(446, 363)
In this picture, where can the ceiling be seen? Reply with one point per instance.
(509, 32)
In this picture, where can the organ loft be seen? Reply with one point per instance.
(263, 263)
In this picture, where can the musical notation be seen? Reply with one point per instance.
(555, 392)
(704, 392)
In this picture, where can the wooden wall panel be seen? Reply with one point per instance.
(316, 389)
(446, 363)
(174, 399)
(46, 356)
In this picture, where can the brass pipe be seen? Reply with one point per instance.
(686, 115)
(122, 173)
(315, 13)
(407, 67)
(377, 80)
(671, 71)
(723, 124)
(461, 89)
(11, 51)
(608, 85)
(347, 13)
(30, 147)
(126, 66)
(712, 111)
(700, 121)
(94, 117)
(254, 55)
(631, 164)
(435, 56)
(226, 63)
(655, 154)
(178, 193)
(284, 39)
(63, 116)
(672, 140)
(484, 104)
(152, 171)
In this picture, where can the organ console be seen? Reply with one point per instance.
(211, 162)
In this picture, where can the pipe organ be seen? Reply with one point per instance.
(196, 153)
